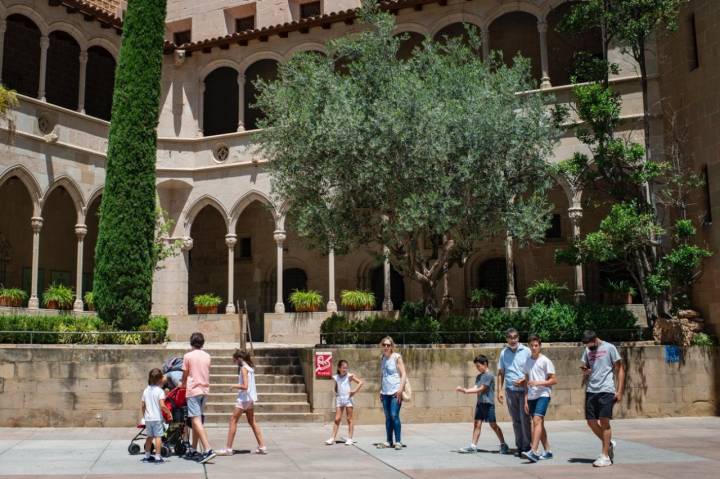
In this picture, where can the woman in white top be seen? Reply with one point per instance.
(393, 380)
(246, 398)
(343, 400)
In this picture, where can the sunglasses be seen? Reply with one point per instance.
(386, 345)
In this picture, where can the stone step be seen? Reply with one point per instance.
(263, 397)
(276, 370)
(221, 419)
(278, 407)
(262, 388)
(259, 361)
(225, 379)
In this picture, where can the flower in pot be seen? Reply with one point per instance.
(58, 296)
(619, 292)
(306, 301)
(357, 300)
(89, 300)
(481, 298)
(546, 291)
(207, 303)
(13, 297)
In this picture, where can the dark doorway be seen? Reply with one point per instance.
(220, 104)
(100, 79)
(492, 275)
(63, 71)
(293, 279)
(21, 56)
(397, 287)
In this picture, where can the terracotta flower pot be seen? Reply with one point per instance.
(52, 305)
(206, 309)
(311, 309)
(3, 301)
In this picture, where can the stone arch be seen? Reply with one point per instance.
(73, 190)
(245, 201)
(72, 30)
(31, 14)
(21, 54)
(455, 18)
(305, 47)
(221, 97)
(96, 193)
(259, 56)
(214, 65)
(16, 210)
(192, 212)
(512, 7)
(265, 68)
(31, 184)
(99, 82)
(515, 31)
(104, 43)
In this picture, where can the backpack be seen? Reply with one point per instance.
(172, 364)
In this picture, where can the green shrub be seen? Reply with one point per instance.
(12, 297)
(59, 294)
(306, 301)
(704, 340)
(546, 291)
(622, 286)
(481, 297)
(207, 300)
(89, 299)
(357, 300)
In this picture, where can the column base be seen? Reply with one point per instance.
(511, 301)
(34, 303)
(545, 84)
(230, 309)
(78, 306)
(332, 307)
(279, 308)
(579, 297)
(388, 305)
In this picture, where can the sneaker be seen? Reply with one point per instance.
(602, 461)
(224, 452)
(349, 442)
(611, 450)
(468, 450)
(504, 449)
(208, 456)
(547, 455)
(330, 441)
(261, 450)
(531, 456)
(398, 446)
(383, 445)
(148, 459)
(160, 461)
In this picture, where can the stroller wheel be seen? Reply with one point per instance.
(134, 449)
(165, 451)
(180, 449)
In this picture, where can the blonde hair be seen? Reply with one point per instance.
(388, 339)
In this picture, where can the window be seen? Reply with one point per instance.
(311, 9)
(245, 23)
(692, 46)
(245, 249)
(555, 229)
(180, 38)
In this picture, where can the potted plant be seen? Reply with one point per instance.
(13, 297)
(481, 298)
(306, 301)
(357, 300)
(207, 303)
(618, 292)
(89, 300)
(546, 291)
(58, 296)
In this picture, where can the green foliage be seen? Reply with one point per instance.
(481, 296)
(357, 300)
(59, 294)
(546, 291)
(395, 152)
(552, 322)
(684, 230)
(89, 299)
(125, 252)
(306, 301)
(207, 300)
(12, 297)
(82, 329)
(704, 340)
(8, 101)
(621, 286)
(163, 247)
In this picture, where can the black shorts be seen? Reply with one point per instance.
(485, 412)
(599, 405)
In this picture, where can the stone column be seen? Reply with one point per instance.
(3, 27)
(44, 44)
(485, 39)
(201, 105)
(542, 30)
(510, 297)
(575, 214)
(83, 76)
(387, 299)
(231, 241)
(279, 236)
(331, 304)
(80, 232)
(36, 222)
(241, 102)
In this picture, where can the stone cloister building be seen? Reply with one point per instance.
(60, 56)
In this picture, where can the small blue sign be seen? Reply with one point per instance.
(672, 354)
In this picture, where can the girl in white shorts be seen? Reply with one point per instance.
(343, 400)
(247, 395)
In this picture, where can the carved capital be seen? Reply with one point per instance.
(230, 240)
(575, 214)
(180, 56)
(542, 26)
(279, 236)
(37, 223)
(83, 56)
(187, 244)
(80, 231)
(44, 42)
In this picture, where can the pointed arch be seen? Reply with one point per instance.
(31, 184)
(75, 194)
(191, 213)
(513, 7)
(245, 201)
(96, 193)
(305, 47)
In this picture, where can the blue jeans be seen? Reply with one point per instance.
(391, 406)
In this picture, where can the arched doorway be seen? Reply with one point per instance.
(517, 32)
(492, 275)
(377, 286)
(408, 43)
(220, 102)
(563, 48)
(293, 279)
(92, 220)
(99, 83)
(63, 70)
(454, 30)
(207, 260)
(58, 242)
(16, 209)
(21, 56)
(262, 69)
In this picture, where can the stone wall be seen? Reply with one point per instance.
(654, 387)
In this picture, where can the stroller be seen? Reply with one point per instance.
(173, 442)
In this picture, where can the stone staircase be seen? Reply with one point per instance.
(282, 397)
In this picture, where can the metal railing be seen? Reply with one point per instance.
(474, 337)
(82, 337)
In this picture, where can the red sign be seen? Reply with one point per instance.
(323, 364)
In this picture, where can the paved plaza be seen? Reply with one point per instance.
(647, 448)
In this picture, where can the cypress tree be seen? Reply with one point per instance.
(124, 252)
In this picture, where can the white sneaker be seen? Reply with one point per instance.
(611, 450)
(261, 450)
(225, 452)
(349, 442)
(330, 441)
(602, 461)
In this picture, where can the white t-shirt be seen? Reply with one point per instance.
(538, 370)
(152, 397)
(249, 394)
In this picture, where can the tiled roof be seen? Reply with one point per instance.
(92, 10)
